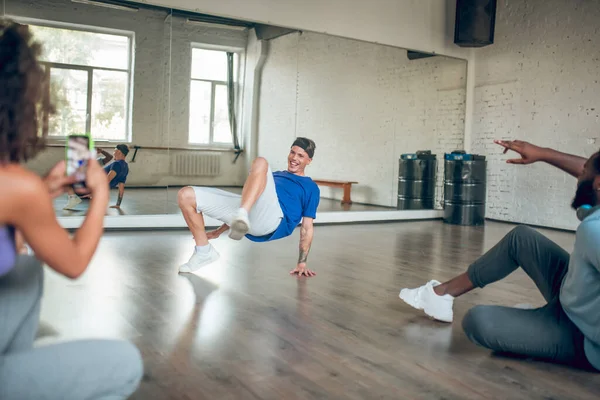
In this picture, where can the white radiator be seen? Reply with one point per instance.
(196, 164)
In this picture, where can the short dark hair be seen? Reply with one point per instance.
(123, 149)
(24, 98)
(308, 145)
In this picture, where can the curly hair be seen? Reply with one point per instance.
(24, 98)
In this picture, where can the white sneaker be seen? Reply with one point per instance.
(199, 260)
(73, 201)
(240, 225)
(424, 298)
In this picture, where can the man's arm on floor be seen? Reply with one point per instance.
(306, 237)
(121, 193)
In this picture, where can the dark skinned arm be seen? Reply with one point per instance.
(571, 164)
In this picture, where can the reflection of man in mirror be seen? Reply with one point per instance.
(117, 170)
(271, 206)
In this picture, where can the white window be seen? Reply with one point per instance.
(90, 75)
(209, 107)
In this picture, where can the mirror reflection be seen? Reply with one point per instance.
(108, 73)
(173, 98)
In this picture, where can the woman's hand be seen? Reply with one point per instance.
(56, 180)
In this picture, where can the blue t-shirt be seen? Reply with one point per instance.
(121, 169)
(298, 197)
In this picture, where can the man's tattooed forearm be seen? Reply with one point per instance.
(303, 256)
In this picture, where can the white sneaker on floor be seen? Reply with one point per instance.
(424, 298)
(73, 202)
(240, 225)
(199, 260)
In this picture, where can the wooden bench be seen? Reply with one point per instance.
(346, 185)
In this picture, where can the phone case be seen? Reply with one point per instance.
(91, 148)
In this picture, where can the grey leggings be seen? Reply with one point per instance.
(82, 370)
(544, 333)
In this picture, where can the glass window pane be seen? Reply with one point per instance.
(68, 93)
(222, 130)
(109, 105)
(82, 48)
(209, 65)
(200, 99)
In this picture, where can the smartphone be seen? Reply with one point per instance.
(79, 150)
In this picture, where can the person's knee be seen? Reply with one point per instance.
(521, 232)
(135, 366)
(27, 276)
(186, 197)
(130, 364)
(477, 324)
(260, 164)
(31, 269)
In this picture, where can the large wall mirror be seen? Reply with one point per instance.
(195, 98)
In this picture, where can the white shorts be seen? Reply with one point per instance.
(265, 216)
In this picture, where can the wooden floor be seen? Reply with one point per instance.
(246, 329)
(153, 201)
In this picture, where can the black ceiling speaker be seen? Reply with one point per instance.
(475, 21)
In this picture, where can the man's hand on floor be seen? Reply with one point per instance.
(302, 270)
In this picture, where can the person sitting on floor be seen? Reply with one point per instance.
(272, 204)
(117, 172)
(565, 330)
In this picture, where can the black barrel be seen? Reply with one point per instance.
(465, 190)
(416, 181)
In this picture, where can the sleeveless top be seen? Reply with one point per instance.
(8, 250)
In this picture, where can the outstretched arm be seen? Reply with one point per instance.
(530, 153)
(569, 163)
(306, 237)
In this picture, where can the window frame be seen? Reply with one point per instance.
(214, 83)
(90, 71)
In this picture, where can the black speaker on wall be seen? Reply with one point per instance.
(475, 21)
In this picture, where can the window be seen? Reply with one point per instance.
(209, 107)
(89, 81)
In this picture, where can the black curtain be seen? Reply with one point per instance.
(231, 105)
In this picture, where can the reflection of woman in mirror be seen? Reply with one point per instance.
(78, 369)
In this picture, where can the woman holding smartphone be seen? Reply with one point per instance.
(85, 369)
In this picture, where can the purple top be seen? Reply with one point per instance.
(8, 250)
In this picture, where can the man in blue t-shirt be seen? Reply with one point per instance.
(117, 170)
(272, 204)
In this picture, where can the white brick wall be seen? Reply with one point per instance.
(364, 104)
(539, 82)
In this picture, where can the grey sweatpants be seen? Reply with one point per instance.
(78, 370)
(544, 333)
